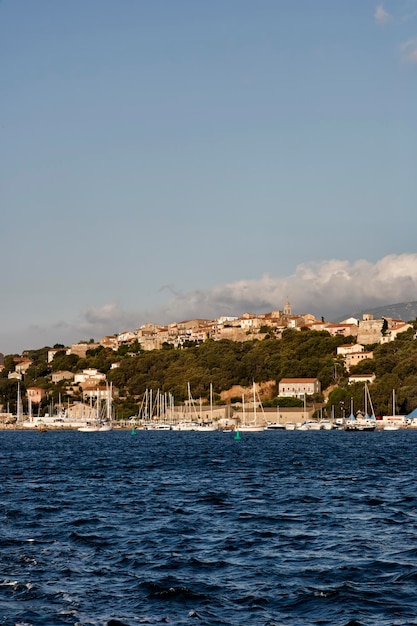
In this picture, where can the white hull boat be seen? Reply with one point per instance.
(310, 426)
(95, 428)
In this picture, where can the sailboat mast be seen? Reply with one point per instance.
(108, 406)
(370, 404)
(254, 403)
(19, 403)
(366, 400)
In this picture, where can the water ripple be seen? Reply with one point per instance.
(278, 529)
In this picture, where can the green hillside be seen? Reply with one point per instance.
(222, 364)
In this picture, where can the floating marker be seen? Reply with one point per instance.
(237, 436)
(133, 431)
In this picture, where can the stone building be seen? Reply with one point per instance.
(298, 387)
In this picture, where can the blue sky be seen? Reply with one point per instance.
(163, 159)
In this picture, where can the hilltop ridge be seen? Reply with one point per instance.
(406, 311)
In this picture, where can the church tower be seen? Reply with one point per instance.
(287, 308)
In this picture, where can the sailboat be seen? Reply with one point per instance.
(351, 420)
(362, 422)
(189, 418)
(99, 424)
(308, 424)
(253, 427)
(275, 425)
(393, 424)
(29, 423)
(105, 424)
(208, 426)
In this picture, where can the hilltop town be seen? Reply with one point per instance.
(248, 327)
(83, 369)
(245, 328)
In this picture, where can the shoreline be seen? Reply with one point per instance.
(129, 427)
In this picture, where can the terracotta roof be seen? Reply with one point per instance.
(298, 380)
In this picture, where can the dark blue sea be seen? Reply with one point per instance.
(279, 528)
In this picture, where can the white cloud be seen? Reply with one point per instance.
(409, 51)
(109, 319)
(92, 323)
(381, 15)
(332, 288)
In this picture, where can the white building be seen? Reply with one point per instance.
(298, 387)
(90, 375)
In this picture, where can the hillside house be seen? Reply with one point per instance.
(53, 352)
(35, 394)
(89, 376)
(298, 387)
(361, 378)
(392, 333)
(350, 348)
(353, 358)
(317, 325)
(353, 354)
(62, 375)
(251, 323)
(128, 336)
(23, 366)
(14, 376)
(342, 329)
(109, 341)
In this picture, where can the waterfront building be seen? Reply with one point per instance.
(298, 387)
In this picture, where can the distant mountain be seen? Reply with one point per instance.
(406, 311)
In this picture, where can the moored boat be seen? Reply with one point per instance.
(361, 421)
(274, 426)
(250, 428)
(95, 427)
(309, 425)
(359, 426)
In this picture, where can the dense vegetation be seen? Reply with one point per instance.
(395, 367)
(226, 363)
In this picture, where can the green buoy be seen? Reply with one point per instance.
(133, 431)
(237, 435)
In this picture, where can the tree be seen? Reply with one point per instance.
(366, 366)
(62, 361)
(8, 393)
